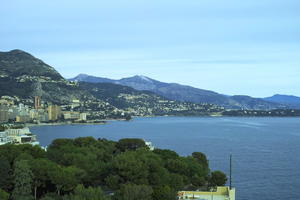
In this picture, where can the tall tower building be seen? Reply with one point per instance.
(54, 112)
(37, 102)
(4, 113)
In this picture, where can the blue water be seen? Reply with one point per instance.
(266, 151)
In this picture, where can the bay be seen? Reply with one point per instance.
(266, 151)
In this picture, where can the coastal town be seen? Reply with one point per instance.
(38, 111)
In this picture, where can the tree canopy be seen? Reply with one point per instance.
(87, 168)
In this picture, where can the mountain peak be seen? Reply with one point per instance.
(82, 76)
(144, 78)
(17, 63)
(17, 51)
(16, 54)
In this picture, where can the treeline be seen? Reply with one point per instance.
(90, 169)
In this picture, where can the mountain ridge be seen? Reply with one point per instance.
(24, 76)
(185, 93)
(291, 100)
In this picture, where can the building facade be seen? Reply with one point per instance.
(54, 112)
(220, 193)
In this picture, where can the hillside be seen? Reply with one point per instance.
(25, 76)
(184, 93)
(144, 103)
(292, 101)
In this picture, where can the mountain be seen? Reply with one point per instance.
(25, 76)
(292, 101)
(141, 103)
(91, 79)
(17, 63)
(185, 93)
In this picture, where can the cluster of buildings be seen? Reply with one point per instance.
(39, 112)
(18, 136)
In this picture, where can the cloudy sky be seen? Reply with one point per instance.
(229, 46)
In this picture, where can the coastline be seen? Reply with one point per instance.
(64, 123)
(105, 121)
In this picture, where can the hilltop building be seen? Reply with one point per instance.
(220, 193)
(75, 103)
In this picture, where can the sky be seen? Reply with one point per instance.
(228, 46)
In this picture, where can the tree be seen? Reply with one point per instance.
(85, 141)
(134, 192)
(11, 152)
(176, 181)
(201, 158)
(198, 181)
(47, 198)
(164, 193)
(82, 193)
(22, 181)
(130, 144)
(166, 154)
(65, 178)
(3, 195)
(5, 174)
(218, 178)
(40, 169)
(112, 181)
(130, 169)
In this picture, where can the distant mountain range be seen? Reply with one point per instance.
(24, 76)
(185, 93)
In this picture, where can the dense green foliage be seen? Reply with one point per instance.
(3, 195)
(90, 169)
(22, 180)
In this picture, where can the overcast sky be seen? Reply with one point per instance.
(229, 46)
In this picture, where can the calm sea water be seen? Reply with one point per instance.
(266, 151)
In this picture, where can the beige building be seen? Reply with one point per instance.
(4, 115)
(82, 116)
(54, 112)
(68, 115)
(220, 193)
(22, 118)
(71, 115)
(37, 102)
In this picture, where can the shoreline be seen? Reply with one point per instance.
(68, 123)
(103, 122)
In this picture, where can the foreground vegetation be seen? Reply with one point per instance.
(90, 169)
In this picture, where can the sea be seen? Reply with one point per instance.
(265, 151)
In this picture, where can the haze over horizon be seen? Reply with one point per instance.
(231, 47)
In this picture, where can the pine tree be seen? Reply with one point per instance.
(22, 181)
(5, 174)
